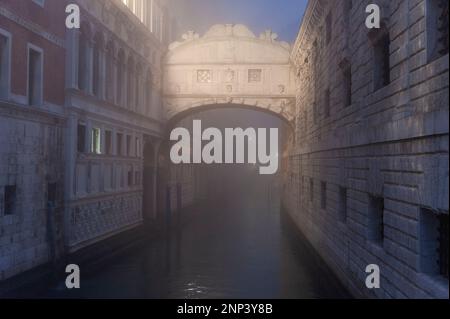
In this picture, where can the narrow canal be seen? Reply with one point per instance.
(237, 247)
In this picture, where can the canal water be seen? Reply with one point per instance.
(236, 246)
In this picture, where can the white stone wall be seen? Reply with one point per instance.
(104, 190)
(391, 143)
(228, 65)
(30, 158)
(92, 220)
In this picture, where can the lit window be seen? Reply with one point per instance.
(96, 141)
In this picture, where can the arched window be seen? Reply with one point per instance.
(130, 84)
(137, 87)
(120, 78)
(83, 51)
(109, 76)
(96, 65)
(148, 91)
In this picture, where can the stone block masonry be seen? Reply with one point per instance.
(366, 178)
(31, 157)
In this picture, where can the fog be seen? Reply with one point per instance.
(281, 16)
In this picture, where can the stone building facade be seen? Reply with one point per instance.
(115, 111)
(366, 176)
(81, 125)
(31, 134)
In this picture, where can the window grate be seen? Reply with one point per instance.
(443, 245)
(10, 199)
(443, 27)
(376, 220)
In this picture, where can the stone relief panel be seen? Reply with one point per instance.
(91, 220)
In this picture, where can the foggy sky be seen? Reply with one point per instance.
(281, 16)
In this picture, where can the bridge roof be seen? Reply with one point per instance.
(229, 44)
(229, 66)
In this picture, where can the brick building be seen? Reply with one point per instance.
(81, 123)
(31, 133)
(367, 171)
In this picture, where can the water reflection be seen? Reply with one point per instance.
(237, 246)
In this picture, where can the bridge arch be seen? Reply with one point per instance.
(229, 67)
(194, 109)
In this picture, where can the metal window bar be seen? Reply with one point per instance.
(443, 245)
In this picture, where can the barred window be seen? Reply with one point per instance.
(381, 43)
(433, 242)
(437, 28)
(10, 199)
(376, 220)
(443, 242)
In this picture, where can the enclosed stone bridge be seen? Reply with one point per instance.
(229, 67)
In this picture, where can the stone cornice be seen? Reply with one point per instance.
(115, 17)
(32, 27)
(310, 21)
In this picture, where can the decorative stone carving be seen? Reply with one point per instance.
(229, 76)
(229, 65)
